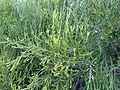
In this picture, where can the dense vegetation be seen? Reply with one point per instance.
(47, 44)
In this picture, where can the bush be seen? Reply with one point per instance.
(47, 44)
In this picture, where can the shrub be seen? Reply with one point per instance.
(47, 44)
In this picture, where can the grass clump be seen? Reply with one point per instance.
(47, 44)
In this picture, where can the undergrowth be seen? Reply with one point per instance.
(47, 44)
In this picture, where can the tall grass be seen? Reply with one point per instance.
(41, 41)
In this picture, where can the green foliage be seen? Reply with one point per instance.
(40, 40)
